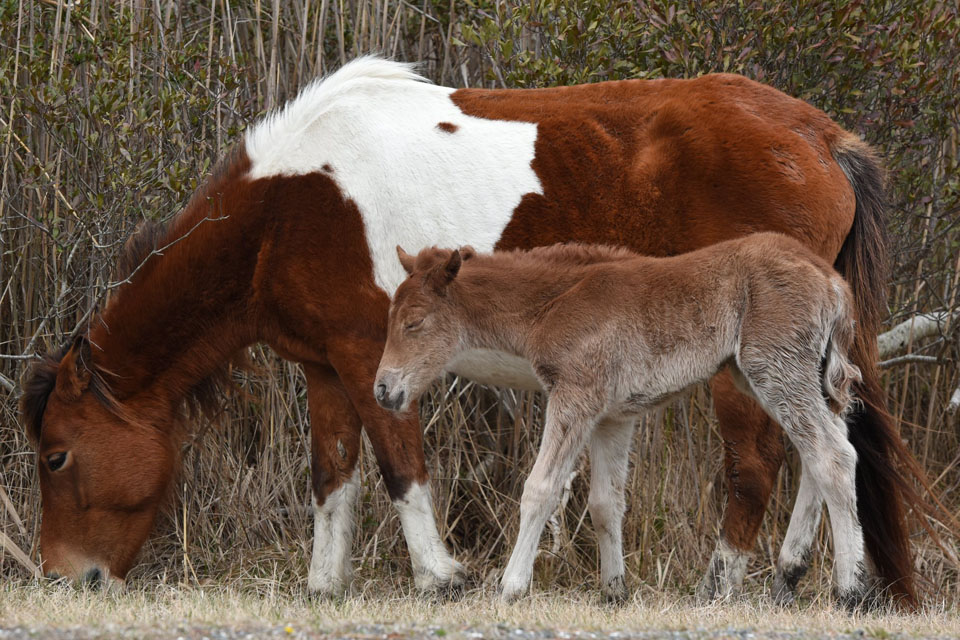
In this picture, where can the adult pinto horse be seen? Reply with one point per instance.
(291, 243)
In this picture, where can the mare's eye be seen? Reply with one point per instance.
(413, 326)
(56, 460)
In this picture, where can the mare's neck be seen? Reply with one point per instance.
(188, 308)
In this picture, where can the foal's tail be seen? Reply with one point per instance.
(839, 374)
(886, 471)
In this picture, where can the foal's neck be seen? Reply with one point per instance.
(187, 308)
(502, 296)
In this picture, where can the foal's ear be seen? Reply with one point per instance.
(467, 252)
(407, 261)
(445, 273)
(73, 376)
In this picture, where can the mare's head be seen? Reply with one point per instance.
(423, 330)
(103, 471)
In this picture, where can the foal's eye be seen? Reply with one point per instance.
(56, 460)
(413, 326)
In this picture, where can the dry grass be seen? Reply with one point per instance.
(112, 112)
(167, 607)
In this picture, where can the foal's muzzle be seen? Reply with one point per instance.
(386, 393)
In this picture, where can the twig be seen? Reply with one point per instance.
(910, 358)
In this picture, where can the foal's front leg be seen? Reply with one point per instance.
(567, 428)
(609, 463)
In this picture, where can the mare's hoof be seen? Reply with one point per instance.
(707, 590)
(446, 584)
(615, 591)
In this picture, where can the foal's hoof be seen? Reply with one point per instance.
(782, 594)
(510, 593)
(334, 594)
(786, 578)
(615, 591)
(855, 599)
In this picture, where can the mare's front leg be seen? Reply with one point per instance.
(335, 446)
(398, 445)
(753, 453)
(609, 462)
(569, 423)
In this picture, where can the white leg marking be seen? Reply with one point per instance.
(433, 567)
(609, 463)
(331, 569)
(724, 577)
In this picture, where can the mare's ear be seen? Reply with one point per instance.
(407, 261)
(467, 252)
(444, 274)
(73, 376)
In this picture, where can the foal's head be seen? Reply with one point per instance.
(423, 331)
(102, 476)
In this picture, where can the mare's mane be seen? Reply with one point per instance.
(146, 239)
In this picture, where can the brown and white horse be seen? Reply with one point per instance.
(611, 335)
(291, 243)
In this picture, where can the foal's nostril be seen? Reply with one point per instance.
(52, 575)
(381, 391)
(399, 402)
(93, 577)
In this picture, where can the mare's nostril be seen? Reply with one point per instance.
(399, 402)
(381, 391)
(92, 577)
(53, 575)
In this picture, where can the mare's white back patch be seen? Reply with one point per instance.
(373, 128)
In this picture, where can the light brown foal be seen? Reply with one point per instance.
(611, 334)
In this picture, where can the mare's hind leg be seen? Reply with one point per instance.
(609, 463)
(335, 445)
(797, 546)
(567, 428)
(753, 453)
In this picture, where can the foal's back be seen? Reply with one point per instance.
(689, 288)
(661, 324)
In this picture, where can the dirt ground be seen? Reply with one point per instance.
(404, 632)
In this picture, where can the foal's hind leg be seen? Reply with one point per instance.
(567, 428)
(792, 392)
(753, 453)
(797, 546)
(609, 463)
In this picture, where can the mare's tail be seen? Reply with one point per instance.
(886, 470)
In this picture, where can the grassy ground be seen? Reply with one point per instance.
(378, 611)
